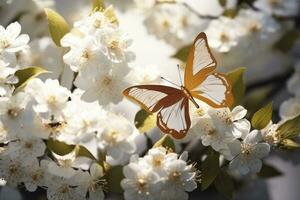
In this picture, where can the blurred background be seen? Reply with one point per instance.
(260, 35)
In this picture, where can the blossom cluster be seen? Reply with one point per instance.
(159, 175)
(66, 130)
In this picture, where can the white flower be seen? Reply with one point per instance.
(174, 23)
(248, 154)
(92, 182)
(231, 121)
(156, 158)
(50, 96)
(11, 40)
(106, 87)
(270, 134)
(115, 45)
(146, 75)
(117, 137)
(278, 7)
(26, 148)
(17, 116)
(82, 120)
(11, 170)
(62, 188)
(35, 175)
(42, 52)
(145, 5)
(290, 108)
(262, 29)
(86, 54)
(140, 182)
(222, 34)
(180, 179)
(92, 23)
(210, 135)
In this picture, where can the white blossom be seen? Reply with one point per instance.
(117, 137)
(11, 40)
(290, 108)
(248, 154)
(222, 34)
(49, 95)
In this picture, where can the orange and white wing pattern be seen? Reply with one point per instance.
(150, 97)
(200, 61)
(215, 90)
(175, 119)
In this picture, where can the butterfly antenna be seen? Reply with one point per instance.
(169, 81)
(179, 74)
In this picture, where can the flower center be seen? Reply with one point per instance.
(200, 112)
(246, 149)
(13, 112)
(106, 80)
(4, 44)
(112, 137)
(142, 184)
(157, 161)
(175, 175)
(184, 21)
(97, 23)
(224, 38)
(13, 169)
(254, 26)
(211, 132)
(51, 100)
(114, 44)
(165, 24)
(28, 145)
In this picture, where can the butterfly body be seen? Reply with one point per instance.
(200, 82)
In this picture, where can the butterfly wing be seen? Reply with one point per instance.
(173, 116)
(175, 119)
(152, 97)
(215, 90)
(200, 62)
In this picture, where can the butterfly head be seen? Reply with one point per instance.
(189, 95)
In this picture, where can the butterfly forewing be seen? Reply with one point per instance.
(215, 90)
(200, 62)
(175, 119)
(152, 97)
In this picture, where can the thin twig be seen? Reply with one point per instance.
(275, 79)
(198, 14)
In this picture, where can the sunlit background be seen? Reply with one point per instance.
(260, 35)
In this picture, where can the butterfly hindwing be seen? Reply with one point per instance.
(175, 119)
(215, 90)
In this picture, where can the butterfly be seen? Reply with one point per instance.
(200, 82)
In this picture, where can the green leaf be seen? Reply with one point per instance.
(223, 2)
(288, 40)
(84, 152)
(98, 5)
(231, 13)
(224, 184)
(183, 53)
(268, 171)
(289, 144)
(209, 170)
(26, 74)
(262, 117)
(113, 177)
(166, 141)
(57, 25)
(60, 148)
(236, 78)
(144, 121)
(289, 129)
